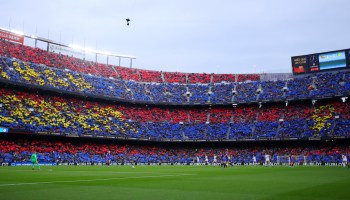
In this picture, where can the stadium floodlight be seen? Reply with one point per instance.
(106, 53)
(343, 99)
(73, 46)
(89, 50)
(13, 31)
(17, 32)
(286, 103)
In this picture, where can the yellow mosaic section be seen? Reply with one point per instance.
(79, 82)
(30, 75)
(54, 79)
(320, 117)
(57, 113)
(3, 74)
(27, 73)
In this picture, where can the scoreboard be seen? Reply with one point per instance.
(321, 62)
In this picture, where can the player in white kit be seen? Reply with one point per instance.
(254, 160)
(345, 160)
(215, 160)
(267, 160)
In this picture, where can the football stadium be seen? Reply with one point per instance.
(82, 123)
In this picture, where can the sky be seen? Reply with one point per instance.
(222, 36)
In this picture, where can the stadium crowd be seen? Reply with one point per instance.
(249, 120)
(51, 59)
(33, 66)
(48, 151)
(49, 113)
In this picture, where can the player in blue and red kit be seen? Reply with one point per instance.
(291, 161)
(224, 160)
(108, 158)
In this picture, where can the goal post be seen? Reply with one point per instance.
(297, 159)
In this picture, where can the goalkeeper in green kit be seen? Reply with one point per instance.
(34, 160)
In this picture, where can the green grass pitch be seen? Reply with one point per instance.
(174, 182)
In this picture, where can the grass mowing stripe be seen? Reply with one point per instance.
(99, 179)
(208, 182)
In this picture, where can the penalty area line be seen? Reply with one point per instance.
(91, 180)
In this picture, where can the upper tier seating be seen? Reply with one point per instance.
(39, 56)
(41, 68)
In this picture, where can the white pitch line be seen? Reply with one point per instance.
(102, 172)
(90, 180)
